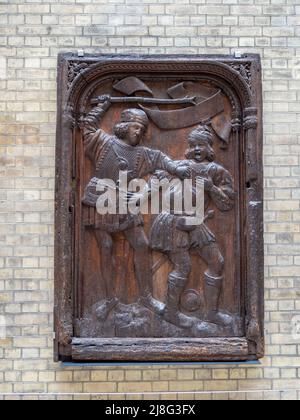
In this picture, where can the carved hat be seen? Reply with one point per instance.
(135, 115)
(202, 132)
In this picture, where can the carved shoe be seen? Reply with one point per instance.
(219, 318)
(213, 287)
(178, 319)
(103, 310)
(152, 304)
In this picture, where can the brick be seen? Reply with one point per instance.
(249, 385)
(99, 30)
(181, 10)
(65, 388)
(214, 10)
(100, 387)
(95, 9)
(132, 31)
(287, 384)
(34, 8)
(99, 376)
(151, 375)
(135, 387)
(46, 376)
(29, 342)
(157, 9)
(168, 375)
(66, 9)
(182, 32)
(64, 376)
(220, 385)
(246, 10)
(29, 376)
(133, 375)
(185, 374)
(220, 374)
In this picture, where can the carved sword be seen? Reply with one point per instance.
(143, 100)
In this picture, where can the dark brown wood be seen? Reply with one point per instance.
(151, 101)
(161, 290)
(178, 350)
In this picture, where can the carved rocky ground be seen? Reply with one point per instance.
(137, 321)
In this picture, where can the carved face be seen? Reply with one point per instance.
(199, 149)
(134, 133)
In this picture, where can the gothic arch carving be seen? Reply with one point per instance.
(235, 86)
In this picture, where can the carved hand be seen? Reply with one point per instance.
(160, 175)
(183, 172)
(104, 99)
(140, 196)
(133, 197)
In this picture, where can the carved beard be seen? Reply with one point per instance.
(133, 140)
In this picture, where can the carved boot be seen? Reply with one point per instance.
(213, 288)
(172, 314)
(103, 309)
(152, 304)
(144, 279)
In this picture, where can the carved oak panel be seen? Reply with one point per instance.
(157, 286)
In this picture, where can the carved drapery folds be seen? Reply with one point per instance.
(156, 286)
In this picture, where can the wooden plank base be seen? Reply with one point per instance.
(174, 350)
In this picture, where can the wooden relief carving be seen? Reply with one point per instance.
(159, 285)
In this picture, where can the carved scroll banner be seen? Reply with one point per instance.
(159, 209)
(173, 120)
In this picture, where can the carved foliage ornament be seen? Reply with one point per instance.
(159, 284)
(245, 71)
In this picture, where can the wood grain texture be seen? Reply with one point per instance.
(175, 350)
(104, 284)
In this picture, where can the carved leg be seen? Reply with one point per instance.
(211, 254)
(176, 284)
(214, 278)
(105, 243)
(143, 270)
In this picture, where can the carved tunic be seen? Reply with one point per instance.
(111, 155)
(166, 236)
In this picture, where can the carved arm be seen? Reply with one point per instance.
(90, 124)
(223, 197)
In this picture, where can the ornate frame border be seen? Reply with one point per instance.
(240, 79)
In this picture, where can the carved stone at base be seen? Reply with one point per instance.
(138, 321)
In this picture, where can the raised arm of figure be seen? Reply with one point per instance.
(93, 135)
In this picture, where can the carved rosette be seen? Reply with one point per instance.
(76, 68)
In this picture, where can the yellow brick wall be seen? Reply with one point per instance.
(31, 35)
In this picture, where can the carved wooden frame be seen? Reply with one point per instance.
(240, 79)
